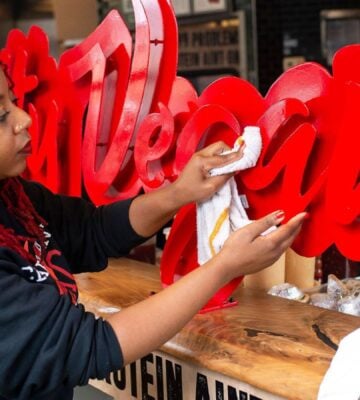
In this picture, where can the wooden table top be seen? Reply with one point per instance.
(280, 346)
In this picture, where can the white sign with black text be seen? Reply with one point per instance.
(159, 376)
(213, 46)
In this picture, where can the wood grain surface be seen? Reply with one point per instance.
(280, 346)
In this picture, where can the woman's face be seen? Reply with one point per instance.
(15, 143)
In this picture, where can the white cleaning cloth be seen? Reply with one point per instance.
(224, 213)
(341, 381)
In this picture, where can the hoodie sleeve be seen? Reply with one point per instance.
(46, 342)
(86, 234)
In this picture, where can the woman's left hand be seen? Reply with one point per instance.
(195, 183)
(151, 211)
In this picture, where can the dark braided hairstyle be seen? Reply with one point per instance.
(18, 204)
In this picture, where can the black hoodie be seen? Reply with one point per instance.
(48, 342)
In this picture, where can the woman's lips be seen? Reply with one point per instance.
(26, 149)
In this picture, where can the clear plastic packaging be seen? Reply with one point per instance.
(288, 291)
(339, 295)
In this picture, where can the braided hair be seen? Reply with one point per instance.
(18, 204)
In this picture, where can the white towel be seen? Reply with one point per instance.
(341, 381)
(224, 213)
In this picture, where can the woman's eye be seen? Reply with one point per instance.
(3, 115)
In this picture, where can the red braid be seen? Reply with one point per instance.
(20, 206)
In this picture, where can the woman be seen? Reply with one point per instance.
(48, 343)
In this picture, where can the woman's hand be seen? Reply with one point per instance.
(195, 183)
(149, 212)
(247, 251)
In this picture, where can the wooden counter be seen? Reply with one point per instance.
(278, 346)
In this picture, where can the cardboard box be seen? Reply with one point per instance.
(75, 19)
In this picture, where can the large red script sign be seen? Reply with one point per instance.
(113, 115)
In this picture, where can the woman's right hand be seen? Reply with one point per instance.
(247, 251)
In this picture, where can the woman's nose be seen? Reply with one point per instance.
(23, 121)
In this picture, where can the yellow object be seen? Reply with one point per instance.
(239, 140)
(222, 217)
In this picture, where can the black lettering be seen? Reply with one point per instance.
(146, 378)
(212, 38)
(189, 59)
(232, 394)
(196, 39)
(232, 57)
(183, 39)
(174, 381)
(218, 37)
(232, 36)
(214, 58)
(243, 395)
(120, 381)
(219, 387)
(133, 379)
(226, 37)
(159, 378)
(202, 389)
